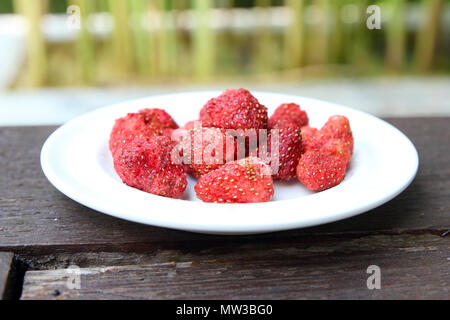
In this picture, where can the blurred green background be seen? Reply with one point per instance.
(196, 41)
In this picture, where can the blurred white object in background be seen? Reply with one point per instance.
(414, 96)
(12, 44)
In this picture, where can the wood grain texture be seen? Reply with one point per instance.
(36, 219)
(120, 259)
(412, 267)
(6, 265)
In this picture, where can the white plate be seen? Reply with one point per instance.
(76, 160)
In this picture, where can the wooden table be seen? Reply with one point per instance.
(42, 232)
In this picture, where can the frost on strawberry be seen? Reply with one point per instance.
(234, 109)
(244, 181)
(177, 135)
(321, 170)
(288, 114)
(311, 139)
(327, 153)
(338, 127)
(284, 151)
(206, 149)
(145, 163)
(145, 123)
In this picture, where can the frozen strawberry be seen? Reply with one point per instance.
(327, 153)
(244, 181)
(205, 149)
(337, 148)
(338, 127)
(147, 122)
(234, 109)
(157, 120)
(312, 139)
(321, 170)
(289, 113)
(285, 153)
(177, 136)
(145, 163)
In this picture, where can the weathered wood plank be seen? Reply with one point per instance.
(36, 219)
(6, 261)
(412, 267)
(222, 251)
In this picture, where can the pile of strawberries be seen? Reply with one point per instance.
(233, 161)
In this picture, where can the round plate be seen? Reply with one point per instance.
(76, 160)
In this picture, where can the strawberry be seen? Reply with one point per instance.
(321, 170)
(337, 148)
(234, 109)
(311, 139)
(147, 122)
(287, 151)
(145, 163)
(205, 149)
(338, 127)
(327, 153)
(243, 181)
(289, 113)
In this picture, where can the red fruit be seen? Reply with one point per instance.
(145, 163)
(145, 123)
(338, 127)
(244, 181)
(327, 153)
(205, 149)
(168, 132)
(311, 139)
(321, 170)
(234, 109)
(192, 124)
(337, 148)
(178, 134)
(289, 113)
(288, 153)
